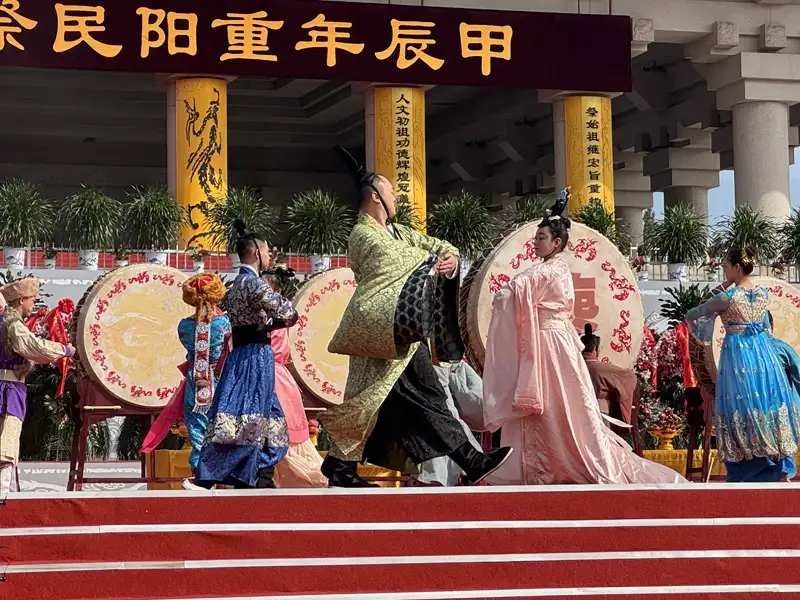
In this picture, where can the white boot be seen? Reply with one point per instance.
(6, 469)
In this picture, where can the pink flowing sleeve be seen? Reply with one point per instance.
(528, 395)
(501, 362)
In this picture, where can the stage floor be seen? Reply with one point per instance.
(690, 541)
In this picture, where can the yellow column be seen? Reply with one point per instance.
(395, 118)
(589, 151)
(200, 151)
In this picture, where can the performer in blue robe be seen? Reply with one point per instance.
(757, 411)
(790, 361)
(247, 433)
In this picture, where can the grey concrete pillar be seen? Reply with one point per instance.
(689, 195)
(633, 220)
(761, 165)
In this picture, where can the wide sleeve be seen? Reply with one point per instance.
(33, 348)
(279, 310)
(431, 244)
(700, 319)
(501, 362)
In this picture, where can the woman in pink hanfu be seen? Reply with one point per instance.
(537, 386)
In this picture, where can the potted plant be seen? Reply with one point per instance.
(639, 266)
(50, 254)
(404, 215)
(92, 223)
(596, 216)
(198, 259)
(526, 210)
(153, 222)
(122, 254)
(749, 228)
(26, 219)
(712, 266)
(790, 239)
(241, 203)
(320, 226)
(681, 237)
(462, 219)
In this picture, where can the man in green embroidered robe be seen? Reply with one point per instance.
(394, 412)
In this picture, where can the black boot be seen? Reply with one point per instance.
(477, 465)
(342, 473)
(264, 479)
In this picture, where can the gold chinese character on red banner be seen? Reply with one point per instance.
(80, 22)
(328, 36)
(486, 42)
(152, 25)
(410, 39)
(12, 22)
(247, 36)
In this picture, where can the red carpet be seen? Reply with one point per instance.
(609, 542)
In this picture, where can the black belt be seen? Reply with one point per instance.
(251, 334)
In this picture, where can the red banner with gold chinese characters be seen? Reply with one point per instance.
(322, 40)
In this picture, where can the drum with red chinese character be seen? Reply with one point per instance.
(784, 304)
(125, 331)
(606, 294)
(320, 302)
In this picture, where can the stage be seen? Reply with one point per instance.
(692, 541)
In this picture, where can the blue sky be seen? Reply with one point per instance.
(720, 199)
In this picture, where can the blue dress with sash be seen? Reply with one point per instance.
(197, 422)
(247, 428)
(757, 412)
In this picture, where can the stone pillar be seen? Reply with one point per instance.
(632, 218)
(693, 196)
(395, 143)
(197, 163)
(761, 166)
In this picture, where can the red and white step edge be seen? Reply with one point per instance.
(690, 541)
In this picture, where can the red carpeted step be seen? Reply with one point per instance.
(181, 545)
(353, 580)
(406, 505)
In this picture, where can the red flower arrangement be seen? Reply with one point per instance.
(668, 420)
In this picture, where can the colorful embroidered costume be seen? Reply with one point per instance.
(20, 349)
(247, 429)
(203, 335)
(757, 411)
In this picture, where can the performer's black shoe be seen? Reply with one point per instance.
(343, 473)
(477, 465)
(265, 480)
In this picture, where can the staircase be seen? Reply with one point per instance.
(609, 542)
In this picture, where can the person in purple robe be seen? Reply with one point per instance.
(19, 351)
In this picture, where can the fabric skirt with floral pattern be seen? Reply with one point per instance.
(247, 428)
(757, 412)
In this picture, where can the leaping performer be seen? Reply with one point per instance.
(19, 351)
(247, 433)
(394, 412)
(536, 384)
(204, 336)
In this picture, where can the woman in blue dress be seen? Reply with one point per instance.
(203, 335)
(757, 412)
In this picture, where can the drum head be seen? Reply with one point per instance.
(126, 334)
(321, 302)
(606, 294)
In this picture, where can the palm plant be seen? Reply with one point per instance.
(153, 218)
(462, 219)
(527, 209)
(596, 216)
(749, 228)
(26, 216)
(92, 220)
(404, 215)
(241, 203)
(790, 239)
(681, 300)
(680, 237)
(319, 223)
(648, 229)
